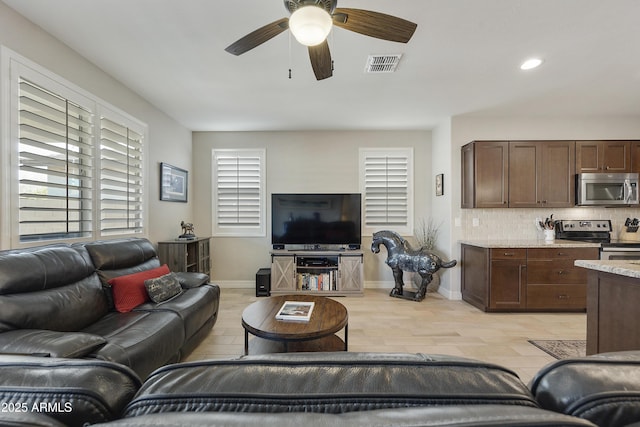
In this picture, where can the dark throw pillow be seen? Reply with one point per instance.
(163, 288)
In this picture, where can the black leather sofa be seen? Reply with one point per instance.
(44, 391)
(324, 389)
(56, 301)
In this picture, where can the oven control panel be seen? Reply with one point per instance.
(584, 225)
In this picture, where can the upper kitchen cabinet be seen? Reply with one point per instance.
(485, 171)
(635, 156)
(541, 174)
(603, 156)
(518, 174)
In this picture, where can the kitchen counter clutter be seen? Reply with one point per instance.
(525, 275)
(528, 243)
(613, 297)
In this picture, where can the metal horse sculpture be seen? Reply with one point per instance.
(187, 230)
(401, 256)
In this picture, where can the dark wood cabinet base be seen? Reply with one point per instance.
(525, 279)
(612, 310)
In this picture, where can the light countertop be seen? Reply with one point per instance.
(620, 267)
(528, 243)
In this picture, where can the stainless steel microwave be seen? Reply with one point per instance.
(607, 189)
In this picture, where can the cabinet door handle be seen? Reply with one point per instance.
(560, 272)
(508, 254)
(563, 296)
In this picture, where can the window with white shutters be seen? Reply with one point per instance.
(75, 163)
(121, 184)
(238, 193)
(386, 184)
(55, 171)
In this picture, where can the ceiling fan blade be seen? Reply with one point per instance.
(320, 56)
(259, 36)
(374, 24)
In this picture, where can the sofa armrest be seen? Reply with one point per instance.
(602, 388)
(191, 280)
(36, 342)
(80, 392)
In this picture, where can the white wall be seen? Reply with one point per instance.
(519, 223)
(168, 140)
(441, 160)
(316, 161)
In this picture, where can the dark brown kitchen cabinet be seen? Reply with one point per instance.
(612, 312)
(553, 282)
(541, 174)
(485, 171)
(518, 174)
(494, 279)
(635, 156)
(507, 279)
(524, 279)
(603, 156)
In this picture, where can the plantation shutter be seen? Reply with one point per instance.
(121, 183)
(386, 184)
(238, 202)
(55, 171)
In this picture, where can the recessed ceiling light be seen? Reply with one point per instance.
(530, 64)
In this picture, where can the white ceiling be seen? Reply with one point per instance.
(463, 59)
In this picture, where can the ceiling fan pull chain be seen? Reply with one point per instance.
(333, 44)
(289, 55)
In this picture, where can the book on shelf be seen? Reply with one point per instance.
(316, 281)
(298, 311)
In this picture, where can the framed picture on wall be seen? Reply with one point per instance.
(440, 184)
(173, 183)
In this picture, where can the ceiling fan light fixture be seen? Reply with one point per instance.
(530, 64)
(310, 25)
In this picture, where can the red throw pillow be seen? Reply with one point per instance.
(129, 291)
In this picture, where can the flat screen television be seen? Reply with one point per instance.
(315, 219)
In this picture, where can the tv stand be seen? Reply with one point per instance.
(319, 272)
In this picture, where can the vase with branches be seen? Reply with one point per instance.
(426, 235)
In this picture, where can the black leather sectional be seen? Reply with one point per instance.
(68, 359)
(56, 301)
(322, 389)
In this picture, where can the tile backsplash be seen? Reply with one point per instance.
(516, 224)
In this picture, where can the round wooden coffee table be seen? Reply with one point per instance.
(277, 336)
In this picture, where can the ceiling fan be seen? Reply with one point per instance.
(311, 21)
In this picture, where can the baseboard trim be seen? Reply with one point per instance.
(379, 284)
(248, 284)
(235, 284)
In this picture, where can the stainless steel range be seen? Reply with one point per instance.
(599, 231)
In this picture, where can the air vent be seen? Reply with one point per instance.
(382, 63)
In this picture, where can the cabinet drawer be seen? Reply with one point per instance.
(562, 272)
(563, 253)
(508, 253)
(557, 297)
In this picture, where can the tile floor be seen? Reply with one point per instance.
(436, 325)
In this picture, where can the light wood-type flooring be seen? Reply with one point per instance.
(380, 323)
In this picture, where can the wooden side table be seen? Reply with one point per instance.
(186, 255)
(277, 336)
